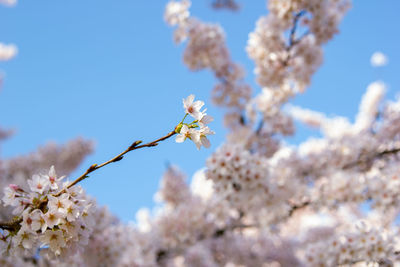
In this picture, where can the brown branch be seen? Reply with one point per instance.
(12, 225)
(292, 36)
(220, 232)
(367, 160)
(292, 40)
(135, 145)
(297, 207)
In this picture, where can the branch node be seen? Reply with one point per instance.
(118, 159)
(92, 167)
(135, 144)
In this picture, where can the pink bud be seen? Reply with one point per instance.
(14, 187)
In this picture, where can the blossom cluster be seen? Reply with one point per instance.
(49, 214)
(354, 162)
(250, 184)
(19, 169)
(201, 119)
(361, 245)
(206, 49)
(286, 48)
(280, 59)
(173, 188)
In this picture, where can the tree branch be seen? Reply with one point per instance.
(292, 40)
(297, 207)
(135, 145)
(11, 225)
(366, 160)
(292, 35)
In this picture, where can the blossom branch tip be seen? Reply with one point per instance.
(197, 131)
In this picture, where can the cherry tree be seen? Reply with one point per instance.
(258, 201)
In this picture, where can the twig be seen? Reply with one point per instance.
(220, 232)
(260, 127)
(135, 145)
(371, 158)
(11, 225)
(297, 207)
(292, 35)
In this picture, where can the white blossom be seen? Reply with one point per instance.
(187, 132)
(7, 51)
(193, 107)
(38, 184)
(25, 238)
(44, 211)
(190, 131)
(55, 239)
(378, 59)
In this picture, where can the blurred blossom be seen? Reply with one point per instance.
(8, 2)
(7, 52)
(378, 59)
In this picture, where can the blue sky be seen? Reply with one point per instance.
(110, 72)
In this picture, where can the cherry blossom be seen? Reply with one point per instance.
(185, 133)
(44, 212)
(190, 131)
(330, 200)
(193, 107)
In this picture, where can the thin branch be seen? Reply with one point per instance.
(260, 127)
(135, 145)
(220, 232)
(297, 207)
(292, 40)
(371, 158)
(292, 36)
(11, 225)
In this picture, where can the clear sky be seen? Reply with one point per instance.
(109, 71)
